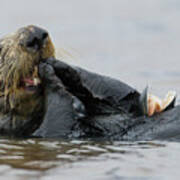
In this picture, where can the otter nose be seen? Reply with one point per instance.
(37, 38)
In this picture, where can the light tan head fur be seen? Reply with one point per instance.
(17, 59)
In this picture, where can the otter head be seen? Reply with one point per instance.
(20, 54)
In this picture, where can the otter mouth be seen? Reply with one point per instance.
(31, 83)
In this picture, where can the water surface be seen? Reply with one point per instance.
(56, 159)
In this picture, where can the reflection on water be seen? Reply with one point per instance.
(136, 41)
(56, 159)
(43, 159)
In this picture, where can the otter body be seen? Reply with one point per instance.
(44, 97)
(103, 108)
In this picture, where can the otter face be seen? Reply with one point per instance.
(20, 55)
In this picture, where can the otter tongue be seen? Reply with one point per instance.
(29, 82)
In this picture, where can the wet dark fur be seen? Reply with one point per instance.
(109, 107)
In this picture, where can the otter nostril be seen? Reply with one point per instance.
(36, 38)
(44, 35)
(38, 41)
(34, 43)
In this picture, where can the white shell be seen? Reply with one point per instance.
(156, 105)
(171, 95)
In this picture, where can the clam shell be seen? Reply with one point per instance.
(169, 101)
(143, 104)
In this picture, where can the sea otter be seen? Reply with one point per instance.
(44, 97)
(21, 99)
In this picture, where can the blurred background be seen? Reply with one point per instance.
(135, 41)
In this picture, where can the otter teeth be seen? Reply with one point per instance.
(36, 81)
(32, 82)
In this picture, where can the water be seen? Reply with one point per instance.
(55, 159)
(136, 41)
